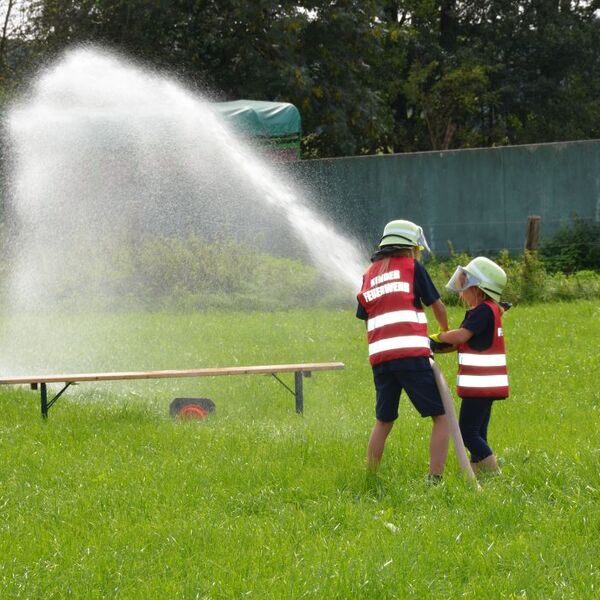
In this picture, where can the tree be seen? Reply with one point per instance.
(337, 79)
(5, 71)
(9, 6)
(321, 55)
(449, 102)
(542, 60)
(491, 72)
(367, 75)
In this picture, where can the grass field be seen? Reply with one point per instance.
(111, 499)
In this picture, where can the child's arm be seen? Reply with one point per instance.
(448, 341)
(440, 314)
(454, 336)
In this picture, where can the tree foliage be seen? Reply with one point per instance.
(367, 75)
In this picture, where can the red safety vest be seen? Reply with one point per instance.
(396, 328)
(483, 374)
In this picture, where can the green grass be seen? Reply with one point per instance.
(111, 499)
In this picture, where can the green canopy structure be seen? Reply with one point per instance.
(275, 124)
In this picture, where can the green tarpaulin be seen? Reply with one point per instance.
(264, 119)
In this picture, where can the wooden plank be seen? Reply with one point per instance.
(210, 372)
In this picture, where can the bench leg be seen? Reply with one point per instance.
(45, 403)
(298, 392)
(44, 400)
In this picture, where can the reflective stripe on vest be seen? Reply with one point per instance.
(482, 381)
(399, 343)
(396, 316)
(482, 360)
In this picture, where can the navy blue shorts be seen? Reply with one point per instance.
(420, 387)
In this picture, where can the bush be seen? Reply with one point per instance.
(531, 277)
(580, 285)
(185, 274)
(441, 270)
(573, 248)
(191, 274)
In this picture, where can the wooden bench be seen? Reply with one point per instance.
(299, 370)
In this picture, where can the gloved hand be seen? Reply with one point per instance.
(505, 305)
(436, 344)
(435, 337)
(439, 346)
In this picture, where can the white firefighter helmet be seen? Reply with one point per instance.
(403, 233)
(481, 272)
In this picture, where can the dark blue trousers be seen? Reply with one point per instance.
(474, 419)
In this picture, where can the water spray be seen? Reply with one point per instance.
(105, 153)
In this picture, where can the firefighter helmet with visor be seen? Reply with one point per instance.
(482, 273)
(403, 233)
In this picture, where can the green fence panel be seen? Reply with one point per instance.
(478, 199)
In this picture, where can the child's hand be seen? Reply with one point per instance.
(436, 344)
(437, 347)
(435, 337)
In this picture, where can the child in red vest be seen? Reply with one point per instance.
(479, 341)
(394, 290)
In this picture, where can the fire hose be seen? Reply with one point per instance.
(457, 440)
